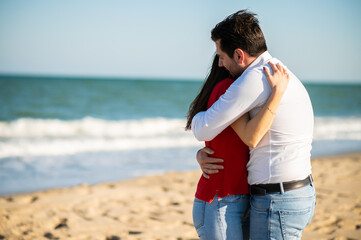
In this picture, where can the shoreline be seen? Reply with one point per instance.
(318, 158)
(160, 206)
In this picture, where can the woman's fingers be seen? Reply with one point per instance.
(269, 76)
(278, 69)
(282, 69)
(267, 73)
(278, 78)
(273, 66)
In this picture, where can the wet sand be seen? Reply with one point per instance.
(160, 207)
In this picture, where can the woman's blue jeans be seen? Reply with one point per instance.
(279, 216)
(223, 218)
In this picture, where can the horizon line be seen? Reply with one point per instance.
(143, 78)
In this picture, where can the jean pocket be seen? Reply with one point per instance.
(234, 198)
(293, 222)
(198, 213)
(260, 204)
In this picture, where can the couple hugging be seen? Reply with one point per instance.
(256, 119)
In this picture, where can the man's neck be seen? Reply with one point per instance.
(249, 59)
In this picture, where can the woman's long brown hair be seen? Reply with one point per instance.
(199, 104)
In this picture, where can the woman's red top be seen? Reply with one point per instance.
(232, 180)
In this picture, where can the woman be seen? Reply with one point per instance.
(222, 201)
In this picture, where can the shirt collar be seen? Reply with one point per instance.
(260, 60)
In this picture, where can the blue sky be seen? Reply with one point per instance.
(318, 40)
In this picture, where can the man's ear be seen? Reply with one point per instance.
(239, 56)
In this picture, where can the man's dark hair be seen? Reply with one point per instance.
(240, 30)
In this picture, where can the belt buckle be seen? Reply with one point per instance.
(258, 191)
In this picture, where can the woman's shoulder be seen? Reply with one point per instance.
(224, 84)
(219, 90)
(222, 87)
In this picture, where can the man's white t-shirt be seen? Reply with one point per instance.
(284, 153)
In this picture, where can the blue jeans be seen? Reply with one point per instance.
(282, 215)
(223, 218)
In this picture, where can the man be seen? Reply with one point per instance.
(279, 169)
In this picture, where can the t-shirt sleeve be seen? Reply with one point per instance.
(247, 92)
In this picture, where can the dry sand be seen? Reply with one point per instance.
(160, 207)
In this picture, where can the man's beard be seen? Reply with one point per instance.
(236, 75)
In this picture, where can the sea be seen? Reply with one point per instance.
(62, 132)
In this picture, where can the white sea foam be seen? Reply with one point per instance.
(337, 128)
(39, 137)
(91, 127)
(39, 154)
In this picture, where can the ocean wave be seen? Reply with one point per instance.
(92, 127)
(51, 137)
(36, 137)
(337, 128)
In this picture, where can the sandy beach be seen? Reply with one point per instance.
(160, 207)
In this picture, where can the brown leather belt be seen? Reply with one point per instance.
(263, 189)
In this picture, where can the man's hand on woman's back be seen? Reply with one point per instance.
(209, 165)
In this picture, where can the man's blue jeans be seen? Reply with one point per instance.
(282, 215)
(223, 218)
